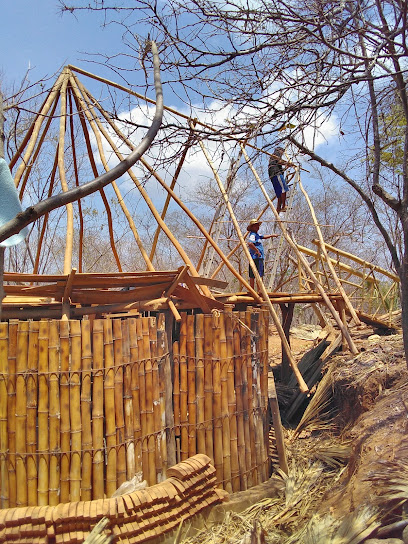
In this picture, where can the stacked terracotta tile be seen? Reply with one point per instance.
(136, 517)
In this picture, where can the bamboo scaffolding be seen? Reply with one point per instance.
(86, 413)
(75, 412)
(98, 488)
(21, 413)
(135, 362)
(42, 498)
(65, 410)
(119, 411)
(231, 399)
(4, 377)
(128, 401)
(191, 387)
(109, 409)
(166, 436)
(183, 388)
(11, 413)
(142, 398)
(301, 382)
(54, 415)
(176, 399)
(200, 382)
(217, 401)
(33, 404)
(150, 434)
(239, 404)
(156, 387)
(304, 262)
(324, 251)
(208, 387)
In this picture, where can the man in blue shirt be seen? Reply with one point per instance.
(256, 248)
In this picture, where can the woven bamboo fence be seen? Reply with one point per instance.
(86, 405)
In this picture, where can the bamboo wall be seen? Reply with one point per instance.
(84, 406)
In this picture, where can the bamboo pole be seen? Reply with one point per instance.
(191, 387)
(176, 397)
(329, 264)
(251, 402)
(149, 404)
(65, 410)
(95, 125)
(86, 412)
(318, 286)
(239, 403)
(166, 397)
(135, 362)
(11, 412)
(128, 401)
(183, 388)
(142, 397)
(232, 401)
(109, 409)
(208, 387)
(226, 434)
(43, 415)
(75, 411)
(200, 384)
(263, 390)
(156, 399)
(54, 414)
(41, 116)
(98, 488)
(21, 413)
(302, 385)
(255, 365)
(33, 403)
(217, 402)
(4, 446)
(119, 412)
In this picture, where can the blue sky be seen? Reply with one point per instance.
(35, 33)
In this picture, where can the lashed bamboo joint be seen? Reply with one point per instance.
(139, 516)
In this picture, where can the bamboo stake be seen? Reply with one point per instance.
(353, 349)
(32, 404)
(255, 364)
(135, 360)
(208, 387)
(166, 438)
(75, 413)
(54, 413)
(239, 404)
(109, 408)
(65, 410)
(43, 415)
(191, 387)
(217, 402)
(331, 267)
(200, 375)
(226, 434)
(11, 413)
(232, 403)
(4, 377)
(251, 402)
(98, 487)
(156, 400)
(128, 401)
(119, 413)
(142, 397)
(183, 388)
(86, 413)
(176, 397)
(263, 389)
(149, 404)
(301, 382)
(21, 413)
